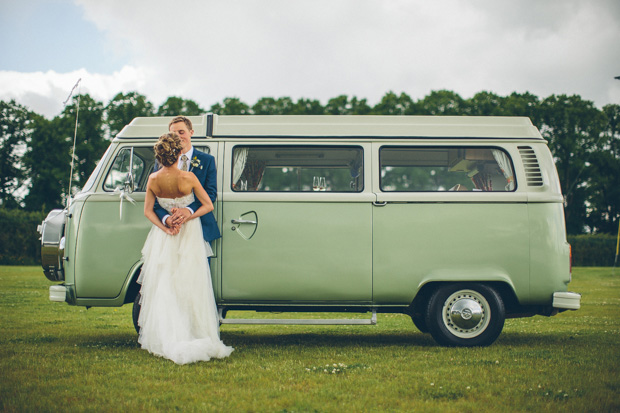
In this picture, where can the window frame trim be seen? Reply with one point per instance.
(358, 145)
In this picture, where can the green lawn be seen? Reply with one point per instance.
(54, 357)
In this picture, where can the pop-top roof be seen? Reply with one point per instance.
(342, 126)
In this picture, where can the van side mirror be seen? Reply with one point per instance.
(129, 183)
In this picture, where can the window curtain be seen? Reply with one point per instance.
(504, 164)
(240, 159)
(254, 171)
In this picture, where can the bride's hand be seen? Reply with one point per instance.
(173, 230)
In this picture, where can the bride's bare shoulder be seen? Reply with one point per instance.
(186, 181)
(187, 176)
(153, 181)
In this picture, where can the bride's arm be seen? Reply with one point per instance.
(149, 202)
(203, 197)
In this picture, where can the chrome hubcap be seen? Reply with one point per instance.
(466, 313)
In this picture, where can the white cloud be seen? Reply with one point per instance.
(45, 92)
(319, 49)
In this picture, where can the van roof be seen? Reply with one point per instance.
(345, 126)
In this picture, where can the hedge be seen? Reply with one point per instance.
(593, 250)
(20, 242)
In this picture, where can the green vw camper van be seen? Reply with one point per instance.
(456, 221)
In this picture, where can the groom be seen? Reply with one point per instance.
(203, 166)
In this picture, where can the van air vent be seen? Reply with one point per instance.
(532, 168)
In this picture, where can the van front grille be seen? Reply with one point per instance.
(532, 168)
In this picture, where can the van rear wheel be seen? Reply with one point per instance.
(135, 312)
(465, 315)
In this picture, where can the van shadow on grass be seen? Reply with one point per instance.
(256, 339)
(324, 339)
(531, 340)
(113, 341)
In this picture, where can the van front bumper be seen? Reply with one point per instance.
(567, 300)
(58, 293)
(62, 293)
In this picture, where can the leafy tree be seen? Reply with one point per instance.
(272, 106)
(47, 161)
(175, 106)
(524, 104)
(342, 105)
(604, 189)
(391, 104)
(572, 126)
(308, 107)
(486, 104)
(48, 158)
(123, 108)
(90, 140)
(15, 130)
(612, 129)
(604, 176)
(441, 102)
(231, 106)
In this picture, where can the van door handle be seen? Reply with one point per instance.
(242, 221)
(379, 204)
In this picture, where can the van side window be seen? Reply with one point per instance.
(298, 168)
(142, 164)
(439, 169)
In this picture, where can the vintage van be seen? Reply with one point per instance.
(455, 221)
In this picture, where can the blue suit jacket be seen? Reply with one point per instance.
(207, 176)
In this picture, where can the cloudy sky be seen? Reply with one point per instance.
(208, 50)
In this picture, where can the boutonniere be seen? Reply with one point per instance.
(195, 162)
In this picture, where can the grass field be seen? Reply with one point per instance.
(54, 357)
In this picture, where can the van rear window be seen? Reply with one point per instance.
(440, 169)
(269, 168)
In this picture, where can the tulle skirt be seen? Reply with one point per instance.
(178, 315)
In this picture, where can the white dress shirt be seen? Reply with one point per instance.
(179, 164)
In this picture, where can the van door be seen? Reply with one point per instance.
(447, 212)
(297, 224)
(112, 227)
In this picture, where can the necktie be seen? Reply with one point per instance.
(183, 163)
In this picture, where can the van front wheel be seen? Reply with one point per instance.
(465, 315)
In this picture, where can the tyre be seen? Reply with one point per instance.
(135, 313)
(465, 315)
(420, 323)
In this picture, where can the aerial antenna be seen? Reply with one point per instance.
(77, 114)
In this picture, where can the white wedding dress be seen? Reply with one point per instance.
(178, 315)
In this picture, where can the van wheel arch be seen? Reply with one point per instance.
(417, 308)
(134, 287)
(133, 296)
(135, 312)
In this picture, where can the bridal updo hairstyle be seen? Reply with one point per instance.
(167, 149)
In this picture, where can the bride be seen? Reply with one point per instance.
(178, 315)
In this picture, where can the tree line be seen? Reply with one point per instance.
(35, 152)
